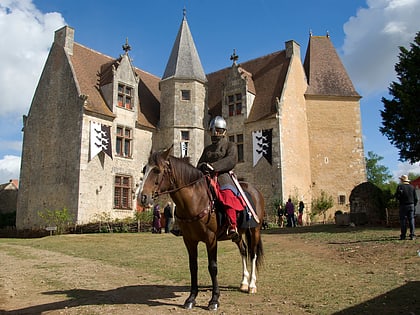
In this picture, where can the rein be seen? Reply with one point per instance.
(158, 193)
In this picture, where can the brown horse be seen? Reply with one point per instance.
(198, 221)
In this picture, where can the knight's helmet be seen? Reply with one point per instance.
(217, 127)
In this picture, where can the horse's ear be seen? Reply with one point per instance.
(166, 154)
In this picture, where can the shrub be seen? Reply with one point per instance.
(59, 218)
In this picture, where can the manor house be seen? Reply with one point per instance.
(94, 119)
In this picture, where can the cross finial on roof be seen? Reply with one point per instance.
(234, 57)
(126, 47)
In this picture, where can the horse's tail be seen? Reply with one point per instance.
(259, 251)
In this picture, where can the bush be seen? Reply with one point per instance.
(59, 218)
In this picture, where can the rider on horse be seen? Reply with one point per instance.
(217, 160)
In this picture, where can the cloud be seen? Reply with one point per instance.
(26, 35)
(9, 168)
(372, 41)
(405, 168)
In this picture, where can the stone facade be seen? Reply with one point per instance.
(316, 142)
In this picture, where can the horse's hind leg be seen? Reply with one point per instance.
(245, 274)
(192, 248)
(254, 250)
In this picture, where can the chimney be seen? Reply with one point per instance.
(64, 37)
(292, 49)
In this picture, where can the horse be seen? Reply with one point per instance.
(197, 218)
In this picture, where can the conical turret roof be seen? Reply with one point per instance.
(184, 62)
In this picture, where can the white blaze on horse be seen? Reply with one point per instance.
(198, 220)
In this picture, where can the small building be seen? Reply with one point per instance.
(8, 196)
(416, 184)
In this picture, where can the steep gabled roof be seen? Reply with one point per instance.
(268, 77)
(184, 62)
(93, 69)
(324, 70)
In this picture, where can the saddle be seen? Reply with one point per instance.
(244, 218)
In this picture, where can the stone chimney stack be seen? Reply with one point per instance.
(64, 37)
(292, 48)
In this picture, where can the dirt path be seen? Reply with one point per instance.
(35, 281)
(27, 286)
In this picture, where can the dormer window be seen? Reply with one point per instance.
(125, 96)
(234, 103)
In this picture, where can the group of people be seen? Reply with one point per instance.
(290, 214)
(169, 217)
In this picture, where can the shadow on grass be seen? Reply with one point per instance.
(402, 300)
(151, 295)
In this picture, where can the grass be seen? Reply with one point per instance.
(317, 269)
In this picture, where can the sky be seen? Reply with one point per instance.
(366, 33)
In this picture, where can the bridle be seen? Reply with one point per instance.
(157, 192)
(168, 171)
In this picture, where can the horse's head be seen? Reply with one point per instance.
(156, 177)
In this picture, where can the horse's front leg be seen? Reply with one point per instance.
(212, 266)
(192, 247)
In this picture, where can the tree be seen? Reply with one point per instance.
(400, 117)
(321, 204)
(376, 173)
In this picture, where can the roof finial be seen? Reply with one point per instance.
(234, 56)
(184, 13)
(310, 32)
(328, 34)
(126, 47)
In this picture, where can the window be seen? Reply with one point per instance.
(234, 103)
(185, 138)
(122, 192)
(341, 199)
(125, 95)
(239, 145)
(123, 143)
(185, 95)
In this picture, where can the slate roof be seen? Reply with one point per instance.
(324, 70)
(184, 62)
(268, 77)
(93, 69)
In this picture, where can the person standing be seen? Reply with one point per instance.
(167, 212)
(156, 220)
(280, 214)
(290, 210)
(300, 212)
(407, 197)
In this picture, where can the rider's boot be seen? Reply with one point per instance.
(232, 231)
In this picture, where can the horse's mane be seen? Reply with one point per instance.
(183, 171)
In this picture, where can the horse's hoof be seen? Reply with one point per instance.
(213, 306)
(244, 288)
(252, 290)
(189, 305)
